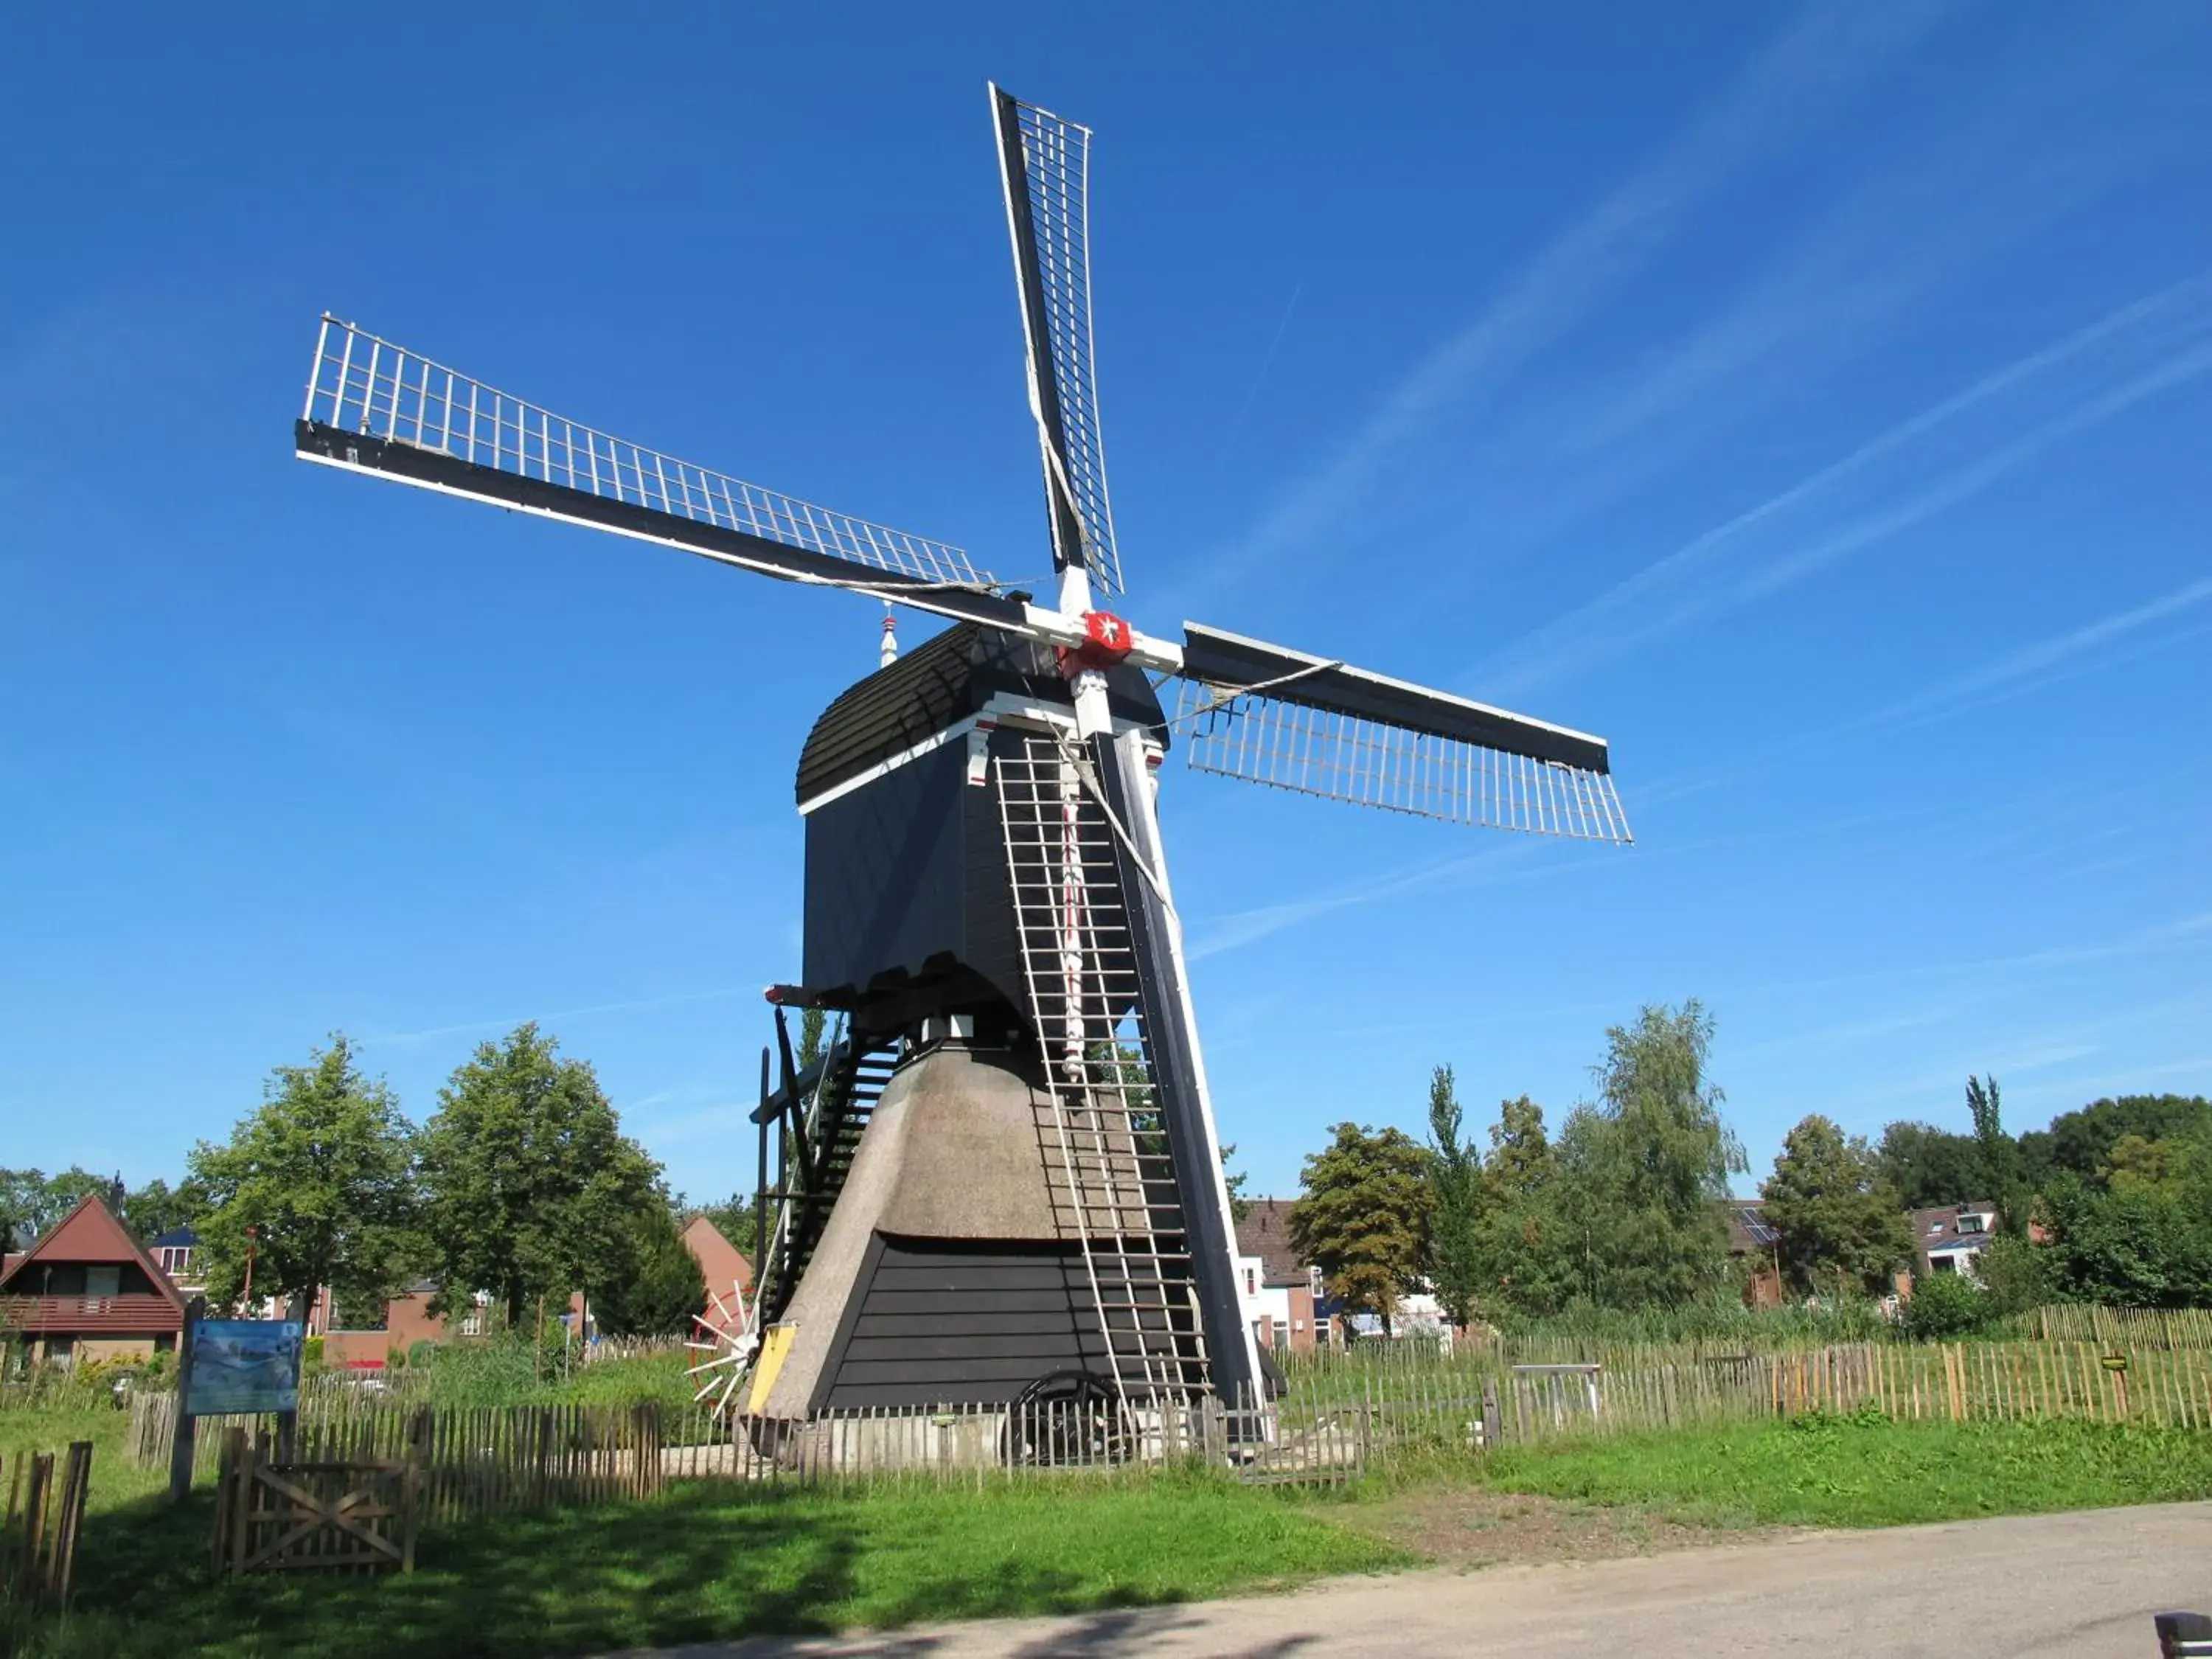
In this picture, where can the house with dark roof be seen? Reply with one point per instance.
(1949, 1238)
(1755, 1247)
(1280, 1293)
(88, 1289)
(177, 1253)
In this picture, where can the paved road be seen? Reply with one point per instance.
(2078, 1586)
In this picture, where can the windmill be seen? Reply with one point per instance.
(999, 1184)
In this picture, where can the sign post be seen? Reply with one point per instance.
(180, 1441)
(232, 1368)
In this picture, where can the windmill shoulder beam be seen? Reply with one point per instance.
(430, 469)
(1231, 662)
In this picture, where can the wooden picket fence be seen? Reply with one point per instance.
(1471, 1399)
(39, 1523)
(2135, 1328)
(478, 1461)
(1338, 1417)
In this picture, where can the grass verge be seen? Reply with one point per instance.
(708, 1563)
(1864, 1471)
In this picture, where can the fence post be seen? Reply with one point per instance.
(76, 1482)
(180, 1441)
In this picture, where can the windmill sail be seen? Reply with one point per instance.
(375, 407)
(1272, 715)
(1045, 165)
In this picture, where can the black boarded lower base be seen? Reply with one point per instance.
(936, 1321)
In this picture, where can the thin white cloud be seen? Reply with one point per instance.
(1811, 523)
(428, 1033)
(1797, 82)
(2033, 665)
(1239, 928)
(2025, 669)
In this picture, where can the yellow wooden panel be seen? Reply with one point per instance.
(775, 1347)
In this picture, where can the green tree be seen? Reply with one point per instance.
(1944, 1307)
(156, 1208)
(323, 1172)
(813, 1039)
(1841, 1226)
(1239, 1206)
(1645, 1170)
(2133, 1244)
(1927, 1166)
(2136, 1162)
(2001, 1160)
(1521, 1161)
(1362, 1215)
(2017, 1276)
(652, 1286)
(1527, 1247)
(32, 1201)
(530, 1187)
(2080, 1142)
(1455, 1192)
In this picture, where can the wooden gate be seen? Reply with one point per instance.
(39, 1522)
(274, 1514)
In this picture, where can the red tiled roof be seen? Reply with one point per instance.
(90, 1315)
(729, 1276)
(1264, 1232)
(91, 1234)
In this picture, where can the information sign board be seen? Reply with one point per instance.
(244, 1365)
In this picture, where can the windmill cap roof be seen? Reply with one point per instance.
(938, 685)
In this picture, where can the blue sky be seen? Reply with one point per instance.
(1814, 401)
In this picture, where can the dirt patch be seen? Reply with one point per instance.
(1475, 1527)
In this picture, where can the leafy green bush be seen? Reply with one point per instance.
(1945, 1306)
(1721, 1318)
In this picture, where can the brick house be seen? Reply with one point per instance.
(1279, 1292)
(88, 1289)
(1754, 1246)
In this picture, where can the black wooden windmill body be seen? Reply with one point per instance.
(1003, 1170)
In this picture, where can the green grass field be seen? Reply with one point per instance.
(714, 1561)
(1867, 1472)
(711, 1562)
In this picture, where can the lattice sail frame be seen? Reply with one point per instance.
(1056, 169)
(363, 384)
(1345, 757)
